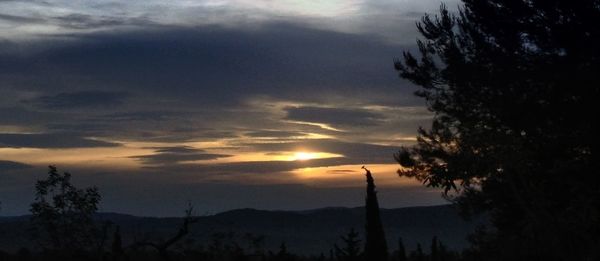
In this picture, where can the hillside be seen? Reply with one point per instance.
(309, 231)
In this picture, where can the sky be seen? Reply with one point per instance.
(221, 103)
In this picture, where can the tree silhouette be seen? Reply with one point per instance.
(375, 245)
(117, 246)
(435, 251)
(513, 86)
(162, 247)
(401, 250)
(418, 254)
(283, 254)
(62, 215)
(351, 248)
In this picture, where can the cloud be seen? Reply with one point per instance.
(341, 171)
(26, 117)
(334, 116)
(274, 134)
(50, 141)
(214, 65)
(20, 19)
(176, 155)
(183, 71)
(85, 21)
(155, 126)
(173, 84)
(252, 170)
(80, 99)
(354, 152)
(141, 116)
(172, 159)
(390, 20)
(6, 165)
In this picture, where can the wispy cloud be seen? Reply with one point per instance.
(50, 141)
(60, 17)
(334, 116)
(176, 155)
(73, 100)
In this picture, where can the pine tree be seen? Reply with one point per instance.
(351, 248)
(376, 245)
(513, 85)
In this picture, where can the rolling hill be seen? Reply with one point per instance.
(307, 232)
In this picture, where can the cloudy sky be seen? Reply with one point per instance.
(223, 103)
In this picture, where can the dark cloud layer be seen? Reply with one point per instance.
(17, 115)
(175, 155)
(81, 99)
(215, 65)
(6, 165)
(274, 134)
(50, 141)
(155, 83)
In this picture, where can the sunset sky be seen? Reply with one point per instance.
(224, 104)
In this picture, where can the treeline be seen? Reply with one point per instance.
(225, 250)
(64, 227)
(224, 247)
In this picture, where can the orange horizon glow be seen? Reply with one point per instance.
(353, 176)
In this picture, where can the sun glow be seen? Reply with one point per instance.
(353, 176)
(305, 155)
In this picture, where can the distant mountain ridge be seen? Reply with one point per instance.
(307, 231)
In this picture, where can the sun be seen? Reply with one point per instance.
(304, 155)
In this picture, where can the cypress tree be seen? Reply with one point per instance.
(376, 246)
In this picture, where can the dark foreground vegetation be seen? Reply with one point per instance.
(514, 87)
(305, 232)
